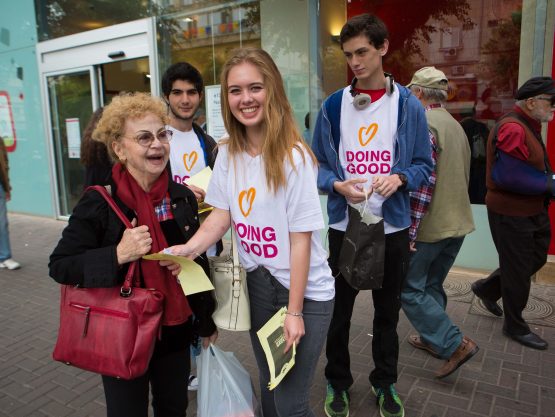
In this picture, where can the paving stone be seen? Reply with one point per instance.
(504, 379)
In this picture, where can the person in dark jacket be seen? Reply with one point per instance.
(96, 249)
(519, 222)
(94, 155)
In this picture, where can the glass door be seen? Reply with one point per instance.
(70, 98)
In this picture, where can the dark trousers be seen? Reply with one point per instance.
(385, 342)
(167, 375)
(522, 244)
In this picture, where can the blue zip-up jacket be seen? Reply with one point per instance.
(412, 156)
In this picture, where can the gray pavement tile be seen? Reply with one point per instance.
(504, 379)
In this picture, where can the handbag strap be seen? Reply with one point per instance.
(234, 251)
(128, 281)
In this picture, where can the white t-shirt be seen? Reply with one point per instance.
(366, 147)
(186, 155)
(263, 219)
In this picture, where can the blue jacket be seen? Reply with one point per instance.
(412, 156)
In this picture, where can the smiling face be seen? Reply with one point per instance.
(365, 61)
(145, 164)
(184, 100)
(246, 95)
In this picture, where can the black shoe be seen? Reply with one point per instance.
(491, 306)
(531, 340)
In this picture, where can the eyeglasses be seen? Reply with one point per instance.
(145, 138)
(550, 99)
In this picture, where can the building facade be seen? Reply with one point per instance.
(62, 59)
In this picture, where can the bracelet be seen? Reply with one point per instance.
(294, 314)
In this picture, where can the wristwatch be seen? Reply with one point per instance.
(404, 181)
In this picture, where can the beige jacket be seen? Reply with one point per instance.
(449, 214)
(4, 167)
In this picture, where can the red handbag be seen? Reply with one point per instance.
(110, 331)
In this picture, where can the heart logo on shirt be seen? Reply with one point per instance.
(189, 160)
(247, 195)
(366, 134)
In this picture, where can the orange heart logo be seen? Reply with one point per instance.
(249, 196)
(189, 160)
(366, 134)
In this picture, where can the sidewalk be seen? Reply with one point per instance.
(504, 379)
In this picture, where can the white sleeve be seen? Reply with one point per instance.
(216, 194)
(304, 213)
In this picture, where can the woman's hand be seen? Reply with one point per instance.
(199, 192)
(206, 341)
(134, 243)
(183, 250)
(293, 329)
(173, 267)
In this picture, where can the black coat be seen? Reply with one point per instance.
(86, 253)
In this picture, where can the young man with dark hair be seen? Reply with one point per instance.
(370, 137)
(191, 149)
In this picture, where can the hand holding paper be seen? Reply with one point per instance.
(192, 277)
(272, 339)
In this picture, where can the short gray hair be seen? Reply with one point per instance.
(431, 94)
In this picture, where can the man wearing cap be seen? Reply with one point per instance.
(519, 223)
(439, 235)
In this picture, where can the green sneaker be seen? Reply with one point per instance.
(336, 403)
(389, 402)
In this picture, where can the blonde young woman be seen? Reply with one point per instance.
(264, 186)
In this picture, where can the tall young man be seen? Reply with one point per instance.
(191, 148)
(382, 147)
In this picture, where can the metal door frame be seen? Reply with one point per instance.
(85, 52)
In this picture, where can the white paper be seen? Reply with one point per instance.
(73, 138)
(214, 119)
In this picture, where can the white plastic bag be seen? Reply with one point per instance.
(225, 388)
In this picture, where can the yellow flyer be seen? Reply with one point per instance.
(192, 277)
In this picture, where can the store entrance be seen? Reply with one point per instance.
(112, 60)
(71, 98)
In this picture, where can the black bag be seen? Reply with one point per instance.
(361, 260)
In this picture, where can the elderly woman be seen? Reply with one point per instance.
(95, 250)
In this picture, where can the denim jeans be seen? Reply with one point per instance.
(387, 303)
(423, 298)
(5, 251)
(291, 397)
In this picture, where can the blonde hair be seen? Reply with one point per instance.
(281, 134)
(111, 126)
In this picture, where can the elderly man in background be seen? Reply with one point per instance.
(6, 261)
(518, 221)
(440, 235)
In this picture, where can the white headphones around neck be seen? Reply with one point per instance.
(361, 101)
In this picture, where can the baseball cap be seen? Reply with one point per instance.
(430, 77)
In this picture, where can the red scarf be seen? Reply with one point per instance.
(176, 307)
